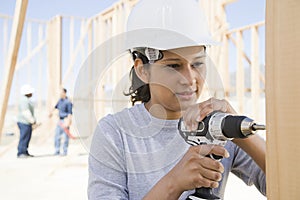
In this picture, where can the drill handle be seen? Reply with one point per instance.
(203, 193)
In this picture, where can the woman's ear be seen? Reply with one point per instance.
(141, 71)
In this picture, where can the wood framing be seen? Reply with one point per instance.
(15, 39)
(282, 96)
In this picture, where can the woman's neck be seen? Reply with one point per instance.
(158, 111)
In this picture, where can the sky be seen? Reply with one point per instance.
(239, 13)
(46, 9)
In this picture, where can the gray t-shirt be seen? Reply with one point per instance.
(132, 150)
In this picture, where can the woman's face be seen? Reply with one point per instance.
(176, 80)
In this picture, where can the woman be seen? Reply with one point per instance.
(138, 152)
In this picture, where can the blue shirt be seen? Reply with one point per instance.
(65, 108)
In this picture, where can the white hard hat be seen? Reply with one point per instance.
(27, 89)
(167, 24)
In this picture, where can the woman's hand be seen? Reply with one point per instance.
(195, 170)
(196, 113)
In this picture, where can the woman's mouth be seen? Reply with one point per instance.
(188, 95)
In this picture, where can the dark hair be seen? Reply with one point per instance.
(138, 91)
(65, 90)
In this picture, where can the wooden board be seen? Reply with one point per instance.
(282, 96)
(15, 39)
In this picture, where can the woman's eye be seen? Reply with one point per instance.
(173, 65)
(197, 64)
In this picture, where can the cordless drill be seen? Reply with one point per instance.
(217, 128)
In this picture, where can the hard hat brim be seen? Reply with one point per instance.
(163, 39)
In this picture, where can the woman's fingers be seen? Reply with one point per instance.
(189, 118)
(211, 105)
(218, 150)
(196, 113)
(196, 170)
(209, 170)
(201, 181)
(212, 174)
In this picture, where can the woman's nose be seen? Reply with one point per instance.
(188, 76)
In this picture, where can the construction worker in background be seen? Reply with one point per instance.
(138, 153)
(64, 107)
(25, 120)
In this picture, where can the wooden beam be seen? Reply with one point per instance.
(90, 37)
(282, 98)
(27, 19)
(71, 36)
(255, 84)
(225, 66)
(90, 76)
(84, 25)
(249, 26)
(29, 67)
(240, 74)
(225, 2)
(15, 39)
(103, 33)
(40, 69)
(5, 33)
(54, 56)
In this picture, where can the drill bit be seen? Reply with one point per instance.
(258, 127)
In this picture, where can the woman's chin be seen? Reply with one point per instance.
(185, 104)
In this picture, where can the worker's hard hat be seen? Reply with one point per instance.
(167, 24)
(27, 89)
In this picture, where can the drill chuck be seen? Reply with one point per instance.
(232, 126)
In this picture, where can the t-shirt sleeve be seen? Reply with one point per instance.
(69, 108)
(246, 169)
(107, 174)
